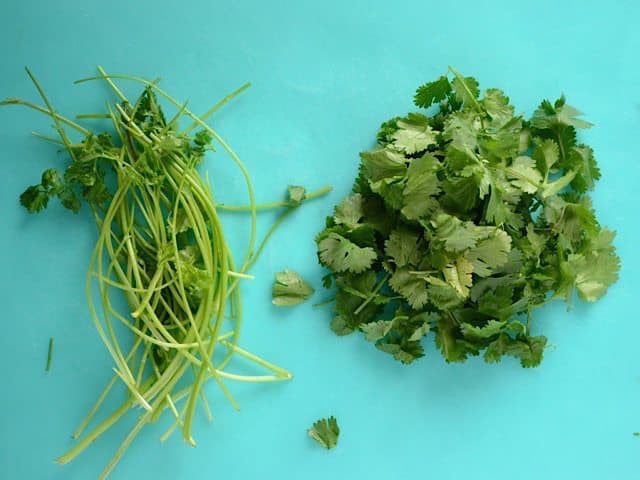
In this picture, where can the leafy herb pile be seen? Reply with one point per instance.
(462, 223)
(161, 246)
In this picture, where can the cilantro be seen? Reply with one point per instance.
(290, 289)
(296, 195)
(326, 432)
(160, 246)
(464, 222)
(49, 355)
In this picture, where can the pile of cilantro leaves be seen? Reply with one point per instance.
(462, 223)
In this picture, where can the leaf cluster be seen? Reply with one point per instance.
(462, 223)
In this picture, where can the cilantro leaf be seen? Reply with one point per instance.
(411, 138)
(296, 195)
(402, 247)
(349, 212)
(525, 175)
(432, 92)
(290, 289)
(374, 331)
(410, 286)
(491, 329)
(326, 432)
(342, 255)
(466, 89)
(383, 164)
(422, 184)
(35, 198)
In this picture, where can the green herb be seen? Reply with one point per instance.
(326, 432)
(462, 223)
(290, 289)
(49, 354)
(636, 434)
(160, 245)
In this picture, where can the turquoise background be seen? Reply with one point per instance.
(324, 74)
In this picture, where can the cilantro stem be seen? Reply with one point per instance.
(466, 87)
(324, 302)
(160, 244)
(54, 115)
(373, 294)
(49, 354)
(268, 206)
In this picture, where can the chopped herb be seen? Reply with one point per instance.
(326, 432)
(49, 354)
(290, 289)
(462, 223)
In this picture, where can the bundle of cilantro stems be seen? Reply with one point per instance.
(462, 223)
(161, 245)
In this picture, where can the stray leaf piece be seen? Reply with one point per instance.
(290, 289)
(325, 432)
(296, 195)
(49, 354)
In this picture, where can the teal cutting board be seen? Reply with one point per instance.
(324, 75)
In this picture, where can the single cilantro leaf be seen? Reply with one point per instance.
(349, 212)
(374, 331)
(391, 190)
(455, 234)
(432, 92)
(340, 254)
(466, 89)
(525, 175)
(51, 179)
(383, 163)
(443, 295)
(35, 198)
(295, 195)
(497, 106)
(452, 347)
(582, 161)
(423, 322)
(490, 329)
(490, 253)
(410, 286)
(462, 128)
(529, 350)
(402, 247)
(458, 275)
(422, 184)
(546, 155)
(411, 138)
(549, 116)
(97, 194)
(83, 173)
(572, 220)
(326, 432)
(405, 352)
(290, 289)
(69, 199)
(596, 269)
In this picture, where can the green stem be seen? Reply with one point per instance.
(272, 205)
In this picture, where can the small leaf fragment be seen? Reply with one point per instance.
(326, 432)
(290, 289)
